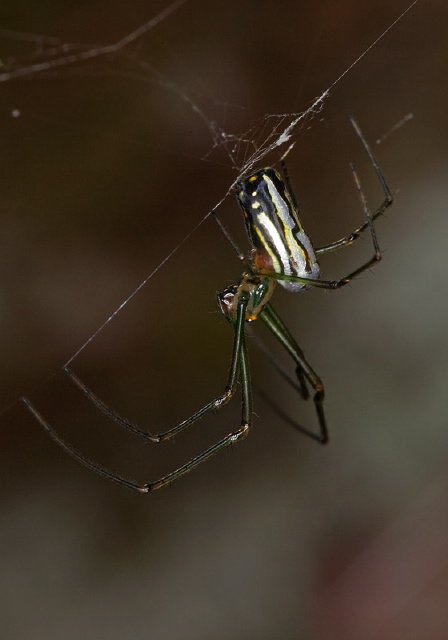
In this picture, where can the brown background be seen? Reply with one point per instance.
(104, 172)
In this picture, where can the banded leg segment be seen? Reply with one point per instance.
(299, 385)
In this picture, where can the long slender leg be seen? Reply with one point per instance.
(388, 199)
(239, 369)
(300, 385)
(230, 240)
(214, 404)
(236, 436)
(283, 335)
(93, 466)
(108, 411)
(348, 240)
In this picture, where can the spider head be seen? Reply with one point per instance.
(228, 302)
(253, 291)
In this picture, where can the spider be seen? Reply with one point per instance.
(281, 252)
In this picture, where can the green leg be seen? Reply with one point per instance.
(299, 385)
(231, 438)
(239, 369)
(214, 404)
(283, 335)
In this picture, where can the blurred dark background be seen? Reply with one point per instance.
(106, 166)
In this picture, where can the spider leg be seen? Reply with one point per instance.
(108, 411)
(93, 466)
(211, 406)
(231, 438)
(299, 386)
(239, 370)
(388, 199)
(240, 255)
(283, 335)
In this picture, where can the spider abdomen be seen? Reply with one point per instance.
(280, 244)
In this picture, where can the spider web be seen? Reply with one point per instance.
(242, 150)
(296, 525)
